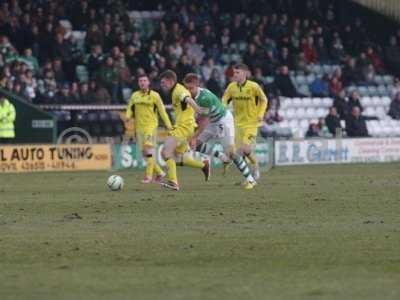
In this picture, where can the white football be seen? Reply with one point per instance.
(115, 183)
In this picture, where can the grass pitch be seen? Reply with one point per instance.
(320, 232)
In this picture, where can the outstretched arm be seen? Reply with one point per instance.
(196, 107)
(163, 113)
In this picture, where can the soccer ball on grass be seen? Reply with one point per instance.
(115, 183)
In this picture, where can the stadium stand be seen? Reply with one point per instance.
(80, 60)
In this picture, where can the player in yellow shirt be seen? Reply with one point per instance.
(144, 107)
(177, 142)
(249, 106)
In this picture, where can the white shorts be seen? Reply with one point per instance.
(222, 131)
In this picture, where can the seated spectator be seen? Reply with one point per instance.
(336, 85)
(63, 96)
(272, 114)
(84, 94)
(74, 92)
(332, 121)
(31, 60)
(284, 83)
(184, 66)
(322, 51)
(351, 73)
(342, 106)
(355, 124)
(369, 74)
(301, 63)
(394, 110)
(194, 50)
(214, 84)
(98, 94)
(338, 53)
(354, 100)
(375, 59)
(309, 50)
(109, 78)
(286, 58)
(324, 130)
(132, 58)
(95, 59)
(58, 70)
(259, 78)
(392, 53)
(207, 69)
(319, 87)
(313, 131)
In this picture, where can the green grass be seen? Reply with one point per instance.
(321, 232)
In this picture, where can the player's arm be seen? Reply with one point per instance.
(262, 104)
(130, 110)
(202, 123)
(163, 113)
(195, 106)
(227, 97)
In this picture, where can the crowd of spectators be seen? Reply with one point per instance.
(39, 55)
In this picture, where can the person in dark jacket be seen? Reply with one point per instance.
(354, 100)
(394, 110)
(285, 84)
(355, 125)
(342, 105)
(332, 120)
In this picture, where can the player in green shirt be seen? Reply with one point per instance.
(218, 125)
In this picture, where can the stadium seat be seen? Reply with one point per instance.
(225, 58)
(242, 46)
(304, 124)
(300, 80)
(310, 78)
(366, 101)
(378, 79)
(380, 112)
(382, 90)
(290, 113)
(307, 102)
(317, 102)
(388, 80)
(293, 124)
(236, 58)
(350, 89)
(369, 111)
(300, 113)
(284, 124)
(269, 79)
(297, 102)
(386, 100)
(285, 102)
(309, 113)
(304, 89)
(327, 102)
(372, 91)
(321, 113)
(363, 91)
(376, 101)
